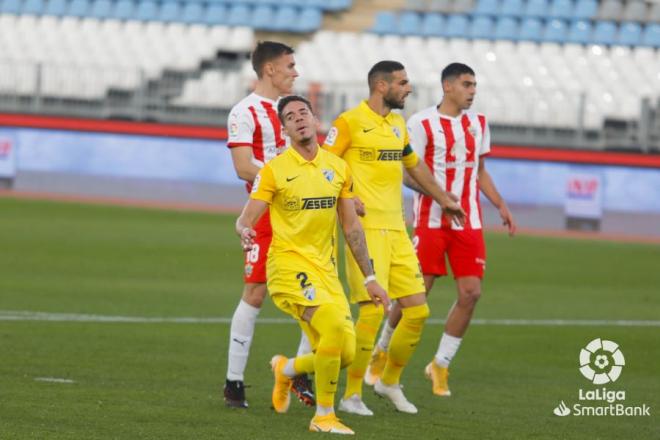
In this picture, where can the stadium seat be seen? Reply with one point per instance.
(385, 23)
(216, 13)
(101, 9)
(338, 5)
(10, 7)
(561, 9)
(630, 34)
(284, 19)
(651, 36)
(506, 28)
(610, 10)
(239, 15)
(458, 26)
(409, 23)
(433, 25)
(169, 12)
(585, 9)
(511, 8)
(481, 28)
(487, 7)
(555, 31)
(604, 33)
(147, 10)
(580, 32)
(536, 8)
(262, 17)
(124, 10)
(635, 10)
(310, 20)
(56, 7)
(192, 13)
(530, 30)
(33, 7)
(78, 8)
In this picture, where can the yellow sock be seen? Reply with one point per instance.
(404, 341)
(304, 364)
(328, 322)
(365, 330)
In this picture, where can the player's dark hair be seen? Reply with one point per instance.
(267, 51)
(287, 100)
(382, 70)
(454, 70)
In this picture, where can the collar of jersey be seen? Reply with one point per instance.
(453, 118)
(301, 160)
(263, 98)
(378, 119)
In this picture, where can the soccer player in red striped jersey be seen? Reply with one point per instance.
(255, 137)
(453, 142)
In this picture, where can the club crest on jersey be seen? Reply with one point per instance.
(329, 175)
(397, 132)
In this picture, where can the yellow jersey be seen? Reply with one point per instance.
(374, 147)
(303, 205)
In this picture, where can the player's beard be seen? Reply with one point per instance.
(392, 103)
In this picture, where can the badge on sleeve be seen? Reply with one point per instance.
(332, 136)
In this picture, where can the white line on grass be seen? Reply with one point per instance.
(53, 379)
(22, 315)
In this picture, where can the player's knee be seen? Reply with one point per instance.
(469, 295)
(416, 315)
(254, 294)
(348, 350)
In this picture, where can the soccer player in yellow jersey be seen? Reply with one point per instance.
(306, 187)
(374, 142)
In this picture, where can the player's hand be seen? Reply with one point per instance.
(378, 294)
(507, 219)
(359, 206)
(453, 209)
(247, 238)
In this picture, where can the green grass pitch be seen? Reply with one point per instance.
(163, 380)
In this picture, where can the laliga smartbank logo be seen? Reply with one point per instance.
(601, 362)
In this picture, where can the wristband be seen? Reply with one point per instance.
(369, 279)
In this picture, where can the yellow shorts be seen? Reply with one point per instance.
(395, 263)
(295, 284)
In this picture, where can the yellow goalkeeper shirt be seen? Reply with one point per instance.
(303, 204)
(374, 147)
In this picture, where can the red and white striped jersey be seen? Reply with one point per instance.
(451, 147)
(253, 122)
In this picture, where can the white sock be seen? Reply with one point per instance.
(289, 369)
(240, 339)
(385, 336)
(447, 349)
(304, 347)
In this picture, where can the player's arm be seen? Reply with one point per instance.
(263, 191)
(412, 184)
(354, 235)
(252, 211)
(243, 164)
(487, 186)
(422, 176)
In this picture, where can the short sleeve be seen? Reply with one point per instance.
(347, 188)
(240, 127)
(264, 187)
(485, 137)
(409, 157)
(339, 137)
